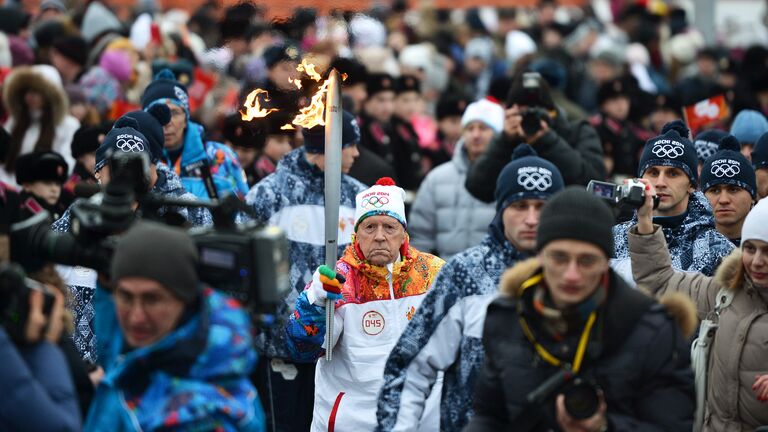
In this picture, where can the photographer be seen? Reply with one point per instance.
(569, 346)
(176, 353)
(532, 117)
(37, 387)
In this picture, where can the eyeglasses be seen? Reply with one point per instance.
(561, 260)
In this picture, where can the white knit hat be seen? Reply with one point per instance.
(755, 226)
(384, 198)
(485, 111)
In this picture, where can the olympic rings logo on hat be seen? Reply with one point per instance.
(375, 201)
(725, 170)
(534, 180)
(667, 151)
(130, 145)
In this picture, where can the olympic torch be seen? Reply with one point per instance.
(333, 125)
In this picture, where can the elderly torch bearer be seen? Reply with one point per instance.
(333, 126)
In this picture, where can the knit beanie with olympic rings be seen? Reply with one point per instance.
(729, 166)
(671, 148)
(384, 198)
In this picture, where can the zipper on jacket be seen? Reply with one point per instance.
(390, 278)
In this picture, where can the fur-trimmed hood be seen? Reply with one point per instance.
(34, 78)
(678, 306)
(730, 274)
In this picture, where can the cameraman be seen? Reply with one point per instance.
(574, 148)
(123, 138)
(567, 313)
(176, 353)
(38, 393)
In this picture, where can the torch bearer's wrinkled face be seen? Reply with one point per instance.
(380, 238)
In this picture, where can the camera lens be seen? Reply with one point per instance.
(581, 399)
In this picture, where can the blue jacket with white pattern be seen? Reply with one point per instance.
(293, 198)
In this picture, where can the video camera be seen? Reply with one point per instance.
(629, 194)
(247, 261)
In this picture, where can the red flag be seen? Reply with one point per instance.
(706, 113)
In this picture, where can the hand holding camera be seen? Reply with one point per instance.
(645, 212)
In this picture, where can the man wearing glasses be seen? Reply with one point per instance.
(569, 346)
(176, 353)
(208, 169)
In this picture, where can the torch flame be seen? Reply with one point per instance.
(312, 115)
(296, 82)
(287, 126)
(253, 107)
(309, 69)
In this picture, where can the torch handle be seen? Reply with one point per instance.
(333, 125)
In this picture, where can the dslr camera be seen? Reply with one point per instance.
(534, 113)
(631, 193)
(582, 398)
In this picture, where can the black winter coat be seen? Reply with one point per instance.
(574, 148)
(636, 354)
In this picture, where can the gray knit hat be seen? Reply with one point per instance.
(159, 252)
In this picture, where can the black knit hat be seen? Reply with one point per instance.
(277, 53)
(576, 214)
(356, 71)
(760, 152)
(124, 137)
(527, 176)
(171, 260)
(314, 139)
(707, 142)
(450, 105)
(151, 124)
(86, 140)
(671, 148)
(407, 83)
(165, 86)
(610, 90)
(72, 47)
(379, 82)
(729, 166)
(41, 166)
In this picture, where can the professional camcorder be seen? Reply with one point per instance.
(247, 261)
(629, 194)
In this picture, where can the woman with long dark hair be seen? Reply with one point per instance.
(39, 116)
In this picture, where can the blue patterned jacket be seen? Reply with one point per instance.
(194, 379)
(694, 245)
(227, 174)
(293, 198)
(82, 281)
(445, 334)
